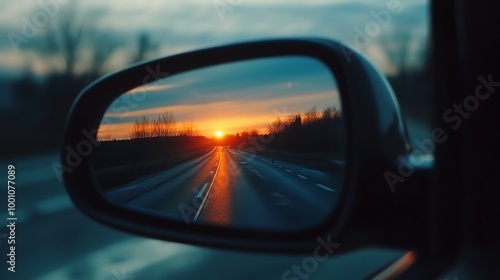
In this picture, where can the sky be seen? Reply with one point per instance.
(180, 26)
(231, 97)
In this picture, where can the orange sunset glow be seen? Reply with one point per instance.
(228, 117)
(205, 127)
(220, 100)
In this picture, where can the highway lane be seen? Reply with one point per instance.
(249, 191)
(155, 191)
(232, 187)
(56, 241)
(178, 191)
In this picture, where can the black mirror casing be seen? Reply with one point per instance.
(376, 137)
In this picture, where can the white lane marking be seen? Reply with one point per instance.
(208, 192)
(243, 162)
(325, 187)
(300, 176)
(211, 172)
(288, 170)
(54, 204)
(202, 190)
(279, 166)
(256, 172)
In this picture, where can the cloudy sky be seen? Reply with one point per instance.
(179, 26)
(232, 97)
(373, 27)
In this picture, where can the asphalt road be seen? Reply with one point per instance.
(229, 187)
(56, 241)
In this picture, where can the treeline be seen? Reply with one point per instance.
(312, 131)
(72, 52)
(37, 110)
(155, 144)
(164, 125)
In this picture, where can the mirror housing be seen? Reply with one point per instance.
(251, 144)
(375, 136)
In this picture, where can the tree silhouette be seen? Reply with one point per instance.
(144, 47)
(188, 129)
(163, 126)
(309, 132)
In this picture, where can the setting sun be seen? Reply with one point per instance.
(218, 133)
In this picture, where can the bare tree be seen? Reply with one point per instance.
(330, 112)
(64, 36)
(140, 128)
(311, 115)
(276, 126)
(102, 46)
(188, 129)
(74, 39)
(163, 126)
(144, 47)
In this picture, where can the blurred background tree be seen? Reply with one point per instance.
(75, 50)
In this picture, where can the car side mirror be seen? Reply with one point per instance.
(263, 145)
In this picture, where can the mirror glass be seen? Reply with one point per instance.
(255, 144)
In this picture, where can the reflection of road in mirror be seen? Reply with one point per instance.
(208, 147)
(231, 187)
(268, 194)
(218, 196)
